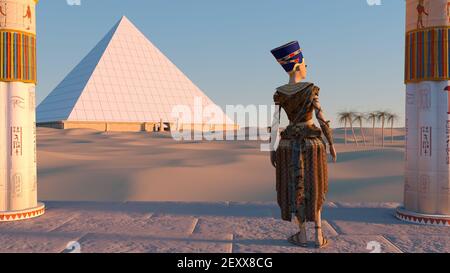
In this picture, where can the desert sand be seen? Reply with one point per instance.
(141, 192)
(87, 165)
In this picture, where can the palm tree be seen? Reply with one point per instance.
(359, 117)
(372, 117)
(381, 116)
(350, 120)
(345, 117)
(392, 118)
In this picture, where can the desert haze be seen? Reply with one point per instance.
(86, 165)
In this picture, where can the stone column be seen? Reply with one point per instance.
(427, 75)
(18, 172)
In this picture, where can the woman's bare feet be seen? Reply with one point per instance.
(299, 239)
(321, 240)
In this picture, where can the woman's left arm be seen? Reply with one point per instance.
(325, 126)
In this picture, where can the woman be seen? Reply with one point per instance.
(301, 159)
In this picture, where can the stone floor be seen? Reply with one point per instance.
(212, 227)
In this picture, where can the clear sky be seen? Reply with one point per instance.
(354, 51)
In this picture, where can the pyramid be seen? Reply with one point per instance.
(124, 84)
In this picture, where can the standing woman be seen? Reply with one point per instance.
(300, 158)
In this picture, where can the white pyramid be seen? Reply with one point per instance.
(125, 78)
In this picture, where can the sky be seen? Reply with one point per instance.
(354, 51)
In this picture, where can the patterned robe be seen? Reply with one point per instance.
(301, 158)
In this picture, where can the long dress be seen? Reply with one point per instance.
(301, 158)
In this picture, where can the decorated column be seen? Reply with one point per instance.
(18, 176)
(427, 75)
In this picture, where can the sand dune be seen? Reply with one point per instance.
(85, 165)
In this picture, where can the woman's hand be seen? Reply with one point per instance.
(333, 153)
(273, 156)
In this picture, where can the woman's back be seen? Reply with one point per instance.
(297, 100)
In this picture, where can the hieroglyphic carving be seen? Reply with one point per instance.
(425, 98)
(32, 99)
(445, 188)
(424, 183)
(421, 11)
(16, 181)
(16, 141)
(425, 141)
(406, 137)
(3, 14)
(34, 144)
(28, 18)
(17, 15)
(410, 98)
(448, 11)
(447, 141)
(32, 106)
(423, 14)
(407, 184)
(18, 102)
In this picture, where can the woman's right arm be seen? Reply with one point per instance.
(274, 130)
(274, 135)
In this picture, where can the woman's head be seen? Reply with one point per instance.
(299, 71)
(290, 57)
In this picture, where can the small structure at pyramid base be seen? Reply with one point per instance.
(137, 126)
(126, 84)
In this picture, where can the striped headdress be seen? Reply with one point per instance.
(288, 55)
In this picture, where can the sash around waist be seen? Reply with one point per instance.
(301, 130)
(306, 123)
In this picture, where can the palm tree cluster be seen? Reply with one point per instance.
(348, 118)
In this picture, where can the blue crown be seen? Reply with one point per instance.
(288, 55)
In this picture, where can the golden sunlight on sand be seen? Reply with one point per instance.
(85, 165)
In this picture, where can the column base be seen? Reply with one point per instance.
(9, 216)
(423, 219)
